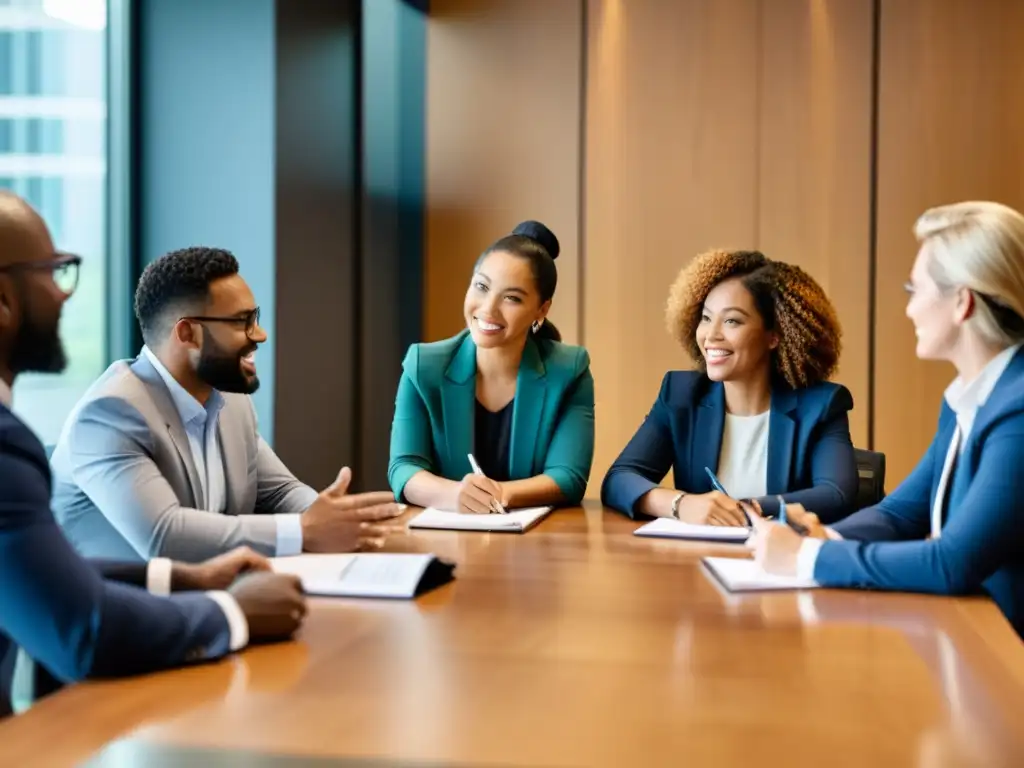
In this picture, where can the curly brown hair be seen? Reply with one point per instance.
(790, 302)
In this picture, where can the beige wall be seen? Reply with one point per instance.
(503, 142)
(951, 127)
(732, 123)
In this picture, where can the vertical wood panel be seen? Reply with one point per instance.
(815, 163)
(671, 167)
(719, 123)
(502, 143)
(951, 122)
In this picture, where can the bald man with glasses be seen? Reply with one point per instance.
(162, 457)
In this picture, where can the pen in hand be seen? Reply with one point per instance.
(496, 505)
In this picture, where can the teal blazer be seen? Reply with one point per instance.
(552, 415)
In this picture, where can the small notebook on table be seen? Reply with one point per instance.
(515, 521)
(739, 575)
(383, 574)
(669, 528)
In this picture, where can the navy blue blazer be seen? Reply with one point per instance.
(981, 548)
(60, 609)
(810, 454)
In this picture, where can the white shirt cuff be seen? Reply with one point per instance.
(236, 619)
(807, 557)
(289, 535)
(833, 535)
(158, 576)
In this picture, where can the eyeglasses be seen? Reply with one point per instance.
(63, 267)
(249, 320)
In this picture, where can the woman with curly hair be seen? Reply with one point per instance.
(758, 413)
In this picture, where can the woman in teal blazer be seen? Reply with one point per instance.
(505, 390)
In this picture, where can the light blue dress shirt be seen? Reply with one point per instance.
(200, 423)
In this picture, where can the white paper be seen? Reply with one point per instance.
(381, 574)
(739, 575)
(516, 521)
(671, 528)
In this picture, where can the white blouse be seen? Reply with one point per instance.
(743, 460)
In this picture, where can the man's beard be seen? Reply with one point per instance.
(222, 369)
(37, 346)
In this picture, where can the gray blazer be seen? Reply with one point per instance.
(126, 487)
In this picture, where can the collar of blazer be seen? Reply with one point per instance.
(462, 367)
(706, 442)
(458, 394)
(1007, 397)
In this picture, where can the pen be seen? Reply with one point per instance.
(717, 485)
(496, 505)
(714, 482)
(782, 518)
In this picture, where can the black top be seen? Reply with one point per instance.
(492, 437)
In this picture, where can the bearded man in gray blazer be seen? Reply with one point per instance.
(162, 456)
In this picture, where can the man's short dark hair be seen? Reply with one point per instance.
(178, 282)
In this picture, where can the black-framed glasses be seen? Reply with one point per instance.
(64, 268)
(249, 320)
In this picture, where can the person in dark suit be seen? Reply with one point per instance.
(956, 524)
(75, 618)
(758, 411)
(505, 389)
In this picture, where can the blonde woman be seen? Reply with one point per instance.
(956, 524)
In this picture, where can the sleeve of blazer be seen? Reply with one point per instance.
(58, 608)
(412, 446)
(986, 532)
(904, 514)
(834, 479)
(125, 573)
(644, 461)
(110, 451)
(571, 451)
(278, 491)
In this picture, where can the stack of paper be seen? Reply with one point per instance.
(371, 575)
(516, 521)
(670, 528)
(739, 575)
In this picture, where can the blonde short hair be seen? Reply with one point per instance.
(980, 246)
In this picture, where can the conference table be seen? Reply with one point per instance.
(574, 644)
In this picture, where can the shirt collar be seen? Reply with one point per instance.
(968, 398)
(189, 409)
(6, 396)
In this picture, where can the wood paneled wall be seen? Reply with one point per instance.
(814, 130)
(951, 127)
(503, 143)
(719, 123)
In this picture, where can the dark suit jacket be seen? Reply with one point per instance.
(982, 543)
(810, 454)
(58, 607)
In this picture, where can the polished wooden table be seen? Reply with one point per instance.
(574, 644)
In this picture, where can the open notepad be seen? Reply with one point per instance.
(738, 575)
(516, 521)
(382, 574)
(669, 528)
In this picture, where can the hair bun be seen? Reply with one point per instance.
(538, 232)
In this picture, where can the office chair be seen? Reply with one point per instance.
(871, 473)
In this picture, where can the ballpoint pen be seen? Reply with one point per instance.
(717, 485)
(495, 505)
(714, 482)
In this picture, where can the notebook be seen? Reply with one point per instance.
(670, 528)
(516, 521)
(740, 575)
(383, 574)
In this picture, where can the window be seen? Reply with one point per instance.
(53, 152)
